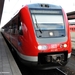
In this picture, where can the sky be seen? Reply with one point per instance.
(11, 7)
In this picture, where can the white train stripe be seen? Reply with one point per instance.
(28, 58)
(69, 55)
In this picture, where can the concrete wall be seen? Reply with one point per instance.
(72, 35)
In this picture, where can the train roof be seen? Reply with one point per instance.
(38, 6)
(43, 5)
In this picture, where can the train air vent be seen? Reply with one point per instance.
(44, 5)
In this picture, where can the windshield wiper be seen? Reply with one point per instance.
(37, 24)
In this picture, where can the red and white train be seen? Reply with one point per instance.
(72, 28)
(40, 35)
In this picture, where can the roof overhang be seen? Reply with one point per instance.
(71, 15)
(1, 8)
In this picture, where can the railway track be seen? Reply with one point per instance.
(61, 72)
(48, 72)
(29, 71)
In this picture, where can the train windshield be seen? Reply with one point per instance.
(48, 19)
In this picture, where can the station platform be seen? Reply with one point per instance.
(8, 65)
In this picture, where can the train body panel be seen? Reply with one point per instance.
(40, 33)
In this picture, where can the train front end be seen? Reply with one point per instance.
(50, 37)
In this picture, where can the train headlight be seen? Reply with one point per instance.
(42, 47)
(65, 45)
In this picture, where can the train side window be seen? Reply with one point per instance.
(20, 30)
(13, 28)
(19, 26)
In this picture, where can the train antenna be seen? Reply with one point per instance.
(30, 1)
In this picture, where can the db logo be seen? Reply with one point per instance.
(54, 46)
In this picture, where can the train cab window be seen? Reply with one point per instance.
(48, 20)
